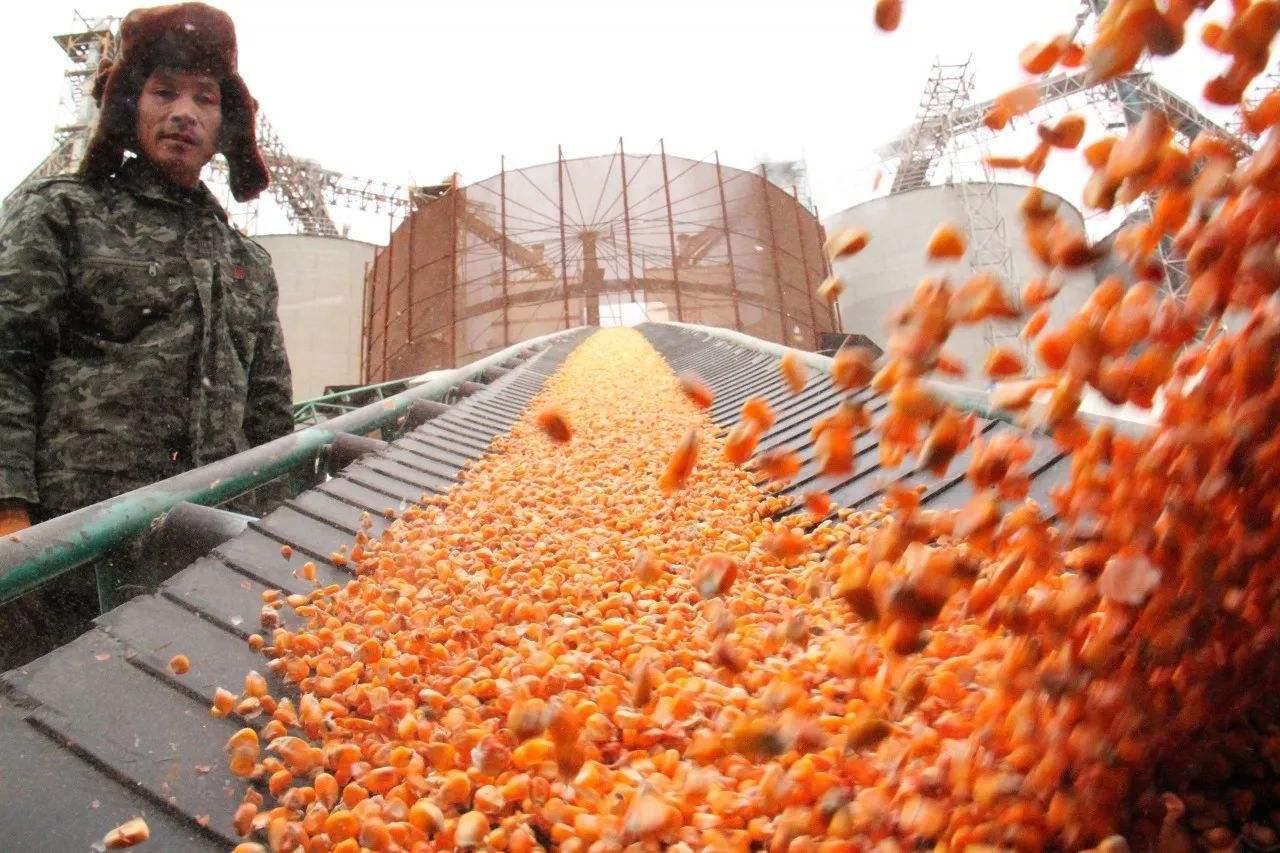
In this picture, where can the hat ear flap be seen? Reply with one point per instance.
(116, 89)
(239, 141)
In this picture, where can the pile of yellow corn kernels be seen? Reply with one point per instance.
(600, 640)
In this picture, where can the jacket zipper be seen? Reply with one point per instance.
(152, 267)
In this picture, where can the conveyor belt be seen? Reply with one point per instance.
(99, 730)
(735, 373)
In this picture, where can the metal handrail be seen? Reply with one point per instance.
(307, 411)
(45, 551)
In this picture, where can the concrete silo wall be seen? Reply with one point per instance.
(321, 285)
(882, 277)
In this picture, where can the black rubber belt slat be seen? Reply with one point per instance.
(136, 727)
(716, 370)
(303, 532)
(864, 443)
(351, 492)
(508, 414)
(1053, 475)
(397, 491)
(256, 553)
(800, 422)
(43, 778)
(811, 406)
(440, 475)
(410, 474)
(770, 390)
(472, 423)
(457, 438)
(763, 381)
(825, 393)
(155, 629)
(215, 591)
(337, 512)
(777, 394)
(863, 490)
(429, 447)
(495, 410)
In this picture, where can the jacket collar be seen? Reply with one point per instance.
(140, 177)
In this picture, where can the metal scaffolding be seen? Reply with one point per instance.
(947, 94)
(606, 240)
(946, 115)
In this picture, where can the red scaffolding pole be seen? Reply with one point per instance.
(564, 261)
(773, 250)
(804, 260)
(365, 320)
(452, 331)
(386, 312)
(728, 245)
(502, 251)
(408, 298)
(671, 232)
(626, 223)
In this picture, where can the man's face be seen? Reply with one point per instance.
(179, 119)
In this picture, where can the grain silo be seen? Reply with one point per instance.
(321, 281)
(881, 278)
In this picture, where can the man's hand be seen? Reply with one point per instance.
(13, 517)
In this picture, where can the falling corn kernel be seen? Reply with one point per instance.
(830, 288)
(793, 372)
(128, 834)
(697, 391)
(888, 14)
(680, 466)
(947, 243)
(554, 426)
(846, 243)
(179, 664)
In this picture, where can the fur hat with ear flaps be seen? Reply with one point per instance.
(190, 37)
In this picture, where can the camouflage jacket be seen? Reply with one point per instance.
(138, 338)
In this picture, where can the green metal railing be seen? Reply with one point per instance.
(315, 411)
(45, 551)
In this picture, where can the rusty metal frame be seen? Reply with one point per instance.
(626, 223)
(506, 299)
(366, 317)
(773, 251)
(651, 241)
(386, 301)
(671, 232)
(728, 245)
(564, 262)
(408, 299)
(804, 260)
(452, 330)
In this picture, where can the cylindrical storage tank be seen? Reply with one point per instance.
(881, 279)
(594, 241)
(321, 281)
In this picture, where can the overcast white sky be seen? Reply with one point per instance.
(411, 91)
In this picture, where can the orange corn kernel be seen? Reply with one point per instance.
(946, 243)
(697, 391)
(554, 426)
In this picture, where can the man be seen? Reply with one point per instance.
(138, 330)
